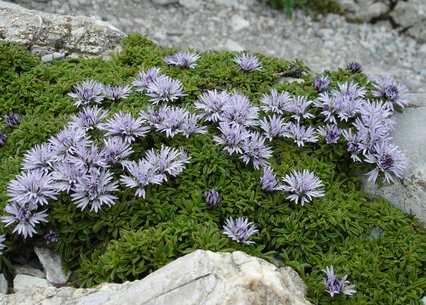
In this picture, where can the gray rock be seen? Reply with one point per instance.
(28, 270)
(190, 4)
(22, 283)
(3, 284)
(45, 33)
(232, 45)
(50, 57)
(410, 135)
(408, 13)
(418, 31)
(238, 23)
(52, 265)
(214, 279)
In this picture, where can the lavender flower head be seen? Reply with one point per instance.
(68, 141)
(273, 127)
(164, 89)
(348, 97)
(190, 125)
(239, 111)
(212, 197)
(40, 157)
(330, 106)
(116, 93)
(232, 137)
(335, 286)
(275, 102)
(183, 59)
(25, 217)
(391, 91)
(255, 150)
(123, 125)
(3, 138)
(89, 118)
(50, 237)
(169, 160)
(354, 67)
(300, 134)
(269, 181)
(2, 245)
(330, 133)
(321, 83)
(353, 145)
(211, 104)
(240, 230)
(302, 186)
(248, 62)
(146, 78)
(389, 160)
(66, 174)
(87, 92)
(116, 150)
(12, 120)
(299, 106)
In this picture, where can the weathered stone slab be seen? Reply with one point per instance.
(52, 265)
(44, 33)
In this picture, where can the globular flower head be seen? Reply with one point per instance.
(389, 160)
(146, 78)
(25, 217)
(94, 189)
(321, 83)
(2, 245)
(255, 150)
(212, 197)
(239, 111)
(87, 92)
(191, 126)
(183, 59)
(240, 230)
(331, 133)
(354, 67)
(68, 141)
(232, 136)
(335, 286)
(90, 156)
(353, 145)
(172, 121)
(300, 134)
(123, 125)
(164, 89)
(302, 186)
(31, 188)
(3, 138)
(275, 102)
(349, 96)
(273, 127)
(392, 92)
(169, 160)
(50, 237)
(269, 181)
(12, 120)
(211, 104)
(89, 118)
(116, 93)
(330, 106)
(298, 105)
(155, 117)
(248, 62)
(66, 174)
(116, 150)
(41, 157)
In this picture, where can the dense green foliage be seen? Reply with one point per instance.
(310, 6)
(135, 236)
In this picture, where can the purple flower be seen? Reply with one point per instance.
(146, 78)
(248, 62)
(299, 106)
(321, 83)
(354, 67)
(331, 133)
(354, 144)
(275, 102)
(122, 125)
(240, 230)
(25, 217)
(68, 141)
(330, 106)
(12, 120)
(391, 91)
(115, 93)
(87, 92)
(66, 174)
(89, 118)
(211, 104)
(50, 237)
(142, 174)
(348, 97)
(2, 245)
(273, 127)
(31, 188)
(212, 197)
(94, 188)
(389, 160)
(255, 150)
(172, 121)
(116, 150)
(269, 181)
(238, 111)
(183, 59)
(190, 125)
(155, 117)
(164, 89)
(88, 157)
(232, 137)
(335, 286)
(40, 157)
(3, 138)
(169, 160)
(302, 186)
(300, 134)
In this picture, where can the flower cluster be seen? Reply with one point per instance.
(248, 62)
(240, 230)
(11, 120)
(183, 59)
(335, 286)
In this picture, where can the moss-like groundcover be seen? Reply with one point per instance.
(135, 236)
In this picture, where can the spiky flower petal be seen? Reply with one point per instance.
(116, 93)
(146, 78)
(248, 62)
(183, 59)
(87, 92)
(240, 230)
(303, 186)
(212, 197)
(164, 89)
(335, 286)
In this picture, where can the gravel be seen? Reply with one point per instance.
(327, 43)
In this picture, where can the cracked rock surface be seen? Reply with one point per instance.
(327, 43)
(212, 279)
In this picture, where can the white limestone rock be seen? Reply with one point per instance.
(3, 284)
(28, 270)
(52, 265)
(45, 33)
(202, 277)
(23, 283)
